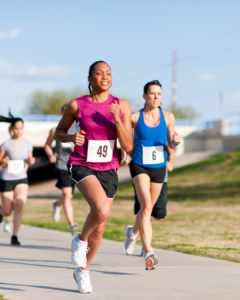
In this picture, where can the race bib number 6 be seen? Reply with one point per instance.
(153, 155)
(16, 166)
(100, 151)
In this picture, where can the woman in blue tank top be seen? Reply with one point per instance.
(153, 130)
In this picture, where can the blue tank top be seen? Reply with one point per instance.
(150, 143)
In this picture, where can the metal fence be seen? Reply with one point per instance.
(233, 123)
(40, 117)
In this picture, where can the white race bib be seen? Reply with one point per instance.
(67, 145)
(153, 155)
(16, 166)
(100, 151)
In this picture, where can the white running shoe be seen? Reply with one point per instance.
(56, 215)
(74, 228)
(83, 281)
(6, 227)
(79, 252)
(151, 261)
(142, 252)
(128, 245)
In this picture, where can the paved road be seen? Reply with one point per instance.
(41, 269)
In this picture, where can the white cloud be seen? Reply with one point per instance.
(207, 77)
(33, 72)
(235, 97)
(11, 34)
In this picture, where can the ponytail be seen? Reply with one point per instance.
(10, 119)
(90, 88)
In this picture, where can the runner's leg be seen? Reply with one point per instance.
(100, 207)
(20, 196)
(7, 203)
(66, 198)
(147, 194)
(94, 240)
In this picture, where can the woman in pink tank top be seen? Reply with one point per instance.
(92, 165)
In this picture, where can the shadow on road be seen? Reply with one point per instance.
(37, 247)
(11, 289)
(38, 287)
(16, 261)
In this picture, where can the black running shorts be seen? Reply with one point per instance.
(9, 185)
(159, 209)
(64, 180)
(156, 175)
(108, 179)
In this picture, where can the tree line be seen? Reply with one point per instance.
(42, 102)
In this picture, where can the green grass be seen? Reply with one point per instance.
(2, 297)
(203, 210)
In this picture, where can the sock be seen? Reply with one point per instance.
(83, 271)
(132, 235)
(83, 241)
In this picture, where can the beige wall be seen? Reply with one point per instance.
(35, 132)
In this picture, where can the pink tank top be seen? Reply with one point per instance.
(99, 151)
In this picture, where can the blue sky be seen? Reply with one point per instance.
(50, 45)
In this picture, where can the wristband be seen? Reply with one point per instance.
(49, 156)
(3, 164)
(176, 144)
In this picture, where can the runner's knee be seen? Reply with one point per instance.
(67, 195)
(18, 206)
(147, 209)
(101, 215)
(7, 211)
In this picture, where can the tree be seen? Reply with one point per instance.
(42, 102)
(186, 112)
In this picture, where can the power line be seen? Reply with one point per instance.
(196, 55)
(141, 75)
(218, 63)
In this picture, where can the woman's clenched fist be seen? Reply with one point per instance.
(79, 138)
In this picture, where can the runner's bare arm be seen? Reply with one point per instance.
(69, 116)
(126, 157)
(2, 153)
(31, 160)
(170, 160)
(173, 136)
(124, 127)
(3, 159)
(47, 146)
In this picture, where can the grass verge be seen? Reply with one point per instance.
(2, 297)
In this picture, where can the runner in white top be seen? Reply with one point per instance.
(15, 157)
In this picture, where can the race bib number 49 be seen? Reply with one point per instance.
(100, 151)
(153, 155)
(16, 166)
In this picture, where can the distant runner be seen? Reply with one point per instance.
(60, 158)
(153, 127)
(15, 157)
(94, 162)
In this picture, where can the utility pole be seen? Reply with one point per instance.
(174, 81)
